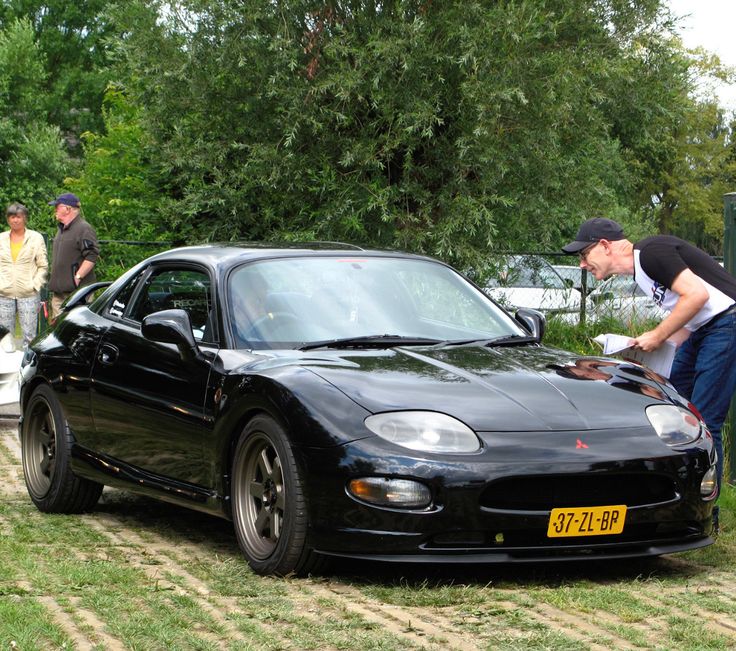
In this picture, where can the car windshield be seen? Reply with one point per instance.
(292, 302)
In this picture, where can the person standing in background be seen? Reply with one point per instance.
(23, 269)
(74, 253)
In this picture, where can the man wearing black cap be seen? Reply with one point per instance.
(700, 297)
(74, 253)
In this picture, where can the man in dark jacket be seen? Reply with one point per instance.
(74, 253)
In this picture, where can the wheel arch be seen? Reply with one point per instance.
(235, 430)
(29, 388)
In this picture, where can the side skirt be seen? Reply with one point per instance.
(113, 472)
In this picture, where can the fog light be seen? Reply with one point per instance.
(397, 493)
(709, 485)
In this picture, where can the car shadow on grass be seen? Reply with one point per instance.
(175, 524)
(552, 574)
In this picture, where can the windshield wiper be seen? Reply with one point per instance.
(370, 341)
(505, 340)
(512, 340)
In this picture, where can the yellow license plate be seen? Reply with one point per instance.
(586, 521)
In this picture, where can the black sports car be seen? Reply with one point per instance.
(344, 402)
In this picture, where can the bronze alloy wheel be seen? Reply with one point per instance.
(269, 508)
(262, 509)
(39, 448)
(46, 451)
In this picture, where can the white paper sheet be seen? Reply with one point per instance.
(660, 360)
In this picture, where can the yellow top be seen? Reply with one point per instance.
(24, 276)
(15, 248)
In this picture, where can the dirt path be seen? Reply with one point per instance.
(503, 610)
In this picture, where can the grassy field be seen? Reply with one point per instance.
(139, 574)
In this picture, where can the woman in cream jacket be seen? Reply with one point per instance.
(23, 268)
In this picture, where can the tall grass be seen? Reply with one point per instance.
(579, 338)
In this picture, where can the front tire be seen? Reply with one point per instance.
(46, 453)
(269, 508)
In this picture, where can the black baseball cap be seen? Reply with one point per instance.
(67, 199)
(593, 230)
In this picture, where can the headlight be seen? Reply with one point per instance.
(27, 364)
(29, 358)
(427, 431)
(674, 425)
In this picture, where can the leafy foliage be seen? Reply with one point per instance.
(447, 128)
(120, 188)
(32, 160)
(452, 128)
(675, 139)
(72, 37)
(690, 201)
(437, 127)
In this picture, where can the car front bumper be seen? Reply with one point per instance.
(470, 520)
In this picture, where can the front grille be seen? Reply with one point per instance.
(554, 491)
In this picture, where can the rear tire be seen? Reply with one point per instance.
(269, 508)
(46, 453)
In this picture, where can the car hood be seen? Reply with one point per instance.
(527, 388)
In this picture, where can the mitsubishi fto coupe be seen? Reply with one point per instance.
(340, 402)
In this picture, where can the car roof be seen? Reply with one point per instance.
(226, 255)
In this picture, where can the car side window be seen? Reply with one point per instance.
(185, 289)
(120, 302)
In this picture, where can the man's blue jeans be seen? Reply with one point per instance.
(704, 372)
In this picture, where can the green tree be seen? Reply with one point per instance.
(690, 198)
(119, 188)
(449, 128)
(32, 159)
(73, 38)
(675, 138)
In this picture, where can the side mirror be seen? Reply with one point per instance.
(533, 321)
(171, 327)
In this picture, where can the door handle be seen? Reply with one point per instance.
(107, 354)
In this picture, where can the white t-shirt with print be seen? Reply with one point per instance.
(659, 259)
